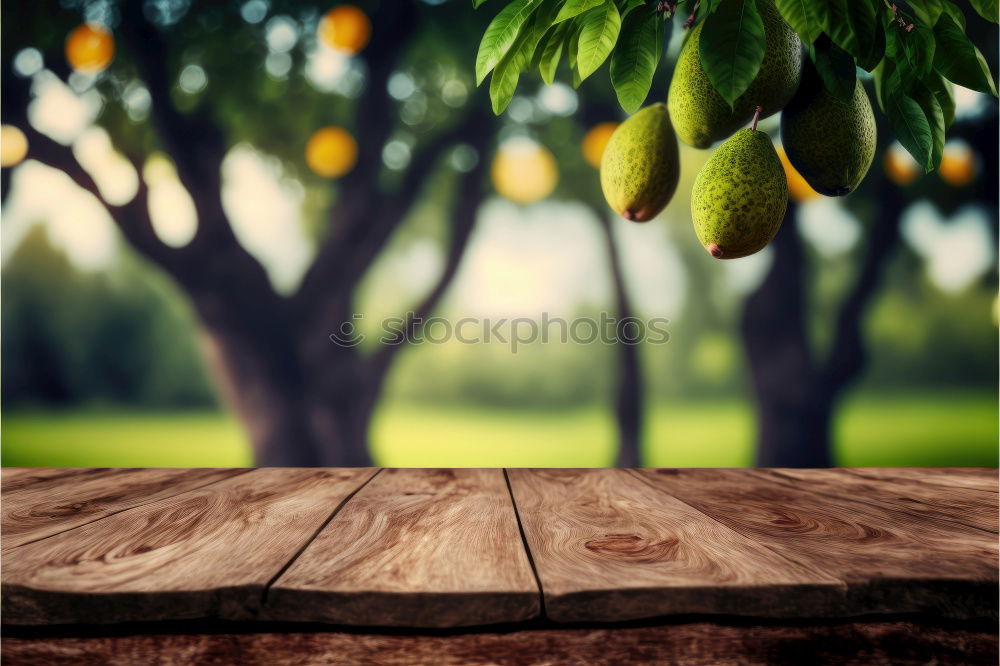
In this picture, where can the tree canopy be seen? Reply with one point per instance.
(915, 53)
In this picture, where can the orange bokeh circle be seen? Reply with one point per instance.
(345, 28)
(331, 152)
(90, 48)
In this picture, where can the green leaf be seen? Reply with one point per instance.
(634, 61)
(863, 20)
(476, 3)
(575, 8)
(599, 29)
(572, 47)
(627, 6)
(883, 78)
(501, 34)
(913, 51)
(834, 18)
(801, 15)
(731, 46)
(959, 60)
(910, 126)
(835, 67)
(988, 9)
(944, 91)
(926, 11)
(552, 51)
(503, 82)
(873, 55)
(935, 120)
(954, 12)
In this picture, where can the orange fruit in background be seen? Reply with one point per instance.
(524, 171)
(899, 166)
(331, 152)
(595, 141)
(958, 164)
(13, 146)
(798, 189)
(345, 28)
(90, 48)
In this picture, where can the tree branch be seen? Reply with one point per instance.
(349, 251)
(846, 357)
(357, 219)
(629, 398)
(131, 218)
(195, 144)
(469, 195)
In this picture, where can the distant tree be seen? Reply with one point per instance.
(304, 399)
(797, 386)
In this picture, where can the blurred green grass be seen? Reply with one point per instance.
(950, 430)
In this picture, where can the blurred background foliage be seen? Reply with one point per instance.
(101, 360)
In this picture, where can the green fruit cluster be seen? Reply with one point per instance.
(741, 194)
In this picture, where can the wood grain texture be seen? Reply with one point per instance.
(415, 547)
(876, 643)
(923, 497)
(205, 553)
(13, 478)
(892, 560)
(608, 546)
(974, 478)
(44, 502)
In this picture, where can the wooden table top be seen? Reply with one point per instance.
(467, 547)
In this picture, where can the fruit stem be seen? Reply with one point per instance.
(690, 19)
(756, 116)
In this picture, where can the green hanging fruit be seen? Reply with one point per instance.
(832, 144)
(702, 117)
(740, 196)
(640, 166)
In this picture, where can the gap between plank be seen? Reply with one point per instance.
(527, 548)
(636, 473)
(336, 510)
(129, 508)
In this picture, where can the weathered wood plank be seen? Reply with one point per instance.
(50, 501)
(17, 478)
(205, 553)
(974, 478)
(954, 504)
(877, 643)
(892, 561)
(608, 546)
(415, 547)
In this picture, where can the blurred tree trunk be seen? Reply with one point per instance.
(304, 399)
(629, 400)
(797, 389)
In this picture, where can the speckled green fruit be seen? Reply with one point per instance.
(701, 117)
(640, 165)
(739, 197)
(830, 143)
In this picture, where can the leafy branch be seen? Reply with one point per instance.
(915, 52)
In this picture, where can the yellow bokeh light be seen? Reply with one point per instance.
(345, 28)
(13, 146)
(798, 189)
(524, 171)
(331, 152)
(90, 48)
(900, 166)
(595, 141)
(958, 164)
